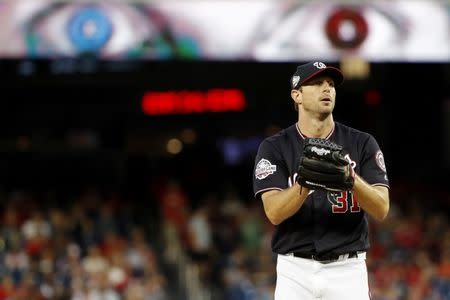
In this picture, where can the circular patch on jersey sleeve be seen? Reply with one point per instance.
(379, 159)
(264, 168)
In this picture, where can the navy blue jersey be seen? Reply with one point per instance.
(326, 222)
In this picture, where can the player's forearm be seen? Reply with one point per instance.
(373, 200)
(280, 205)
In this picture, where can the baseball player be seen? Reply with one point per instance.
(319, 180)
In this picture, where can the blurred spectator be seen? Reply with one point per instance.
(174, 204)
(199, 244)
(94, 262)
(36, 226)
(10, 233)
(251, 228)
(6, 287)
(236, 278)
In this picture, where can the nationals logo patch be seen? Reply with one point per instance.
(379, 158)
(319, 65)
(264, 168)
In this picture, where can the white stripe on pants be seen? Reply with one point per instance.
(305, 279)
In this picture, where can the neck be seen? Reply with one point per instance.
(316, 127)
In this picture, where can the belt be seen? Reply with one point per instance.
(327, 257)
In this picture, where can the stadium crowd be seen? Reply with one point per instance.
(92, 247)
(86, 248)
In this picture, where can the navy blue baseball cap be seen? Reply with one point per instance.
(312, 69)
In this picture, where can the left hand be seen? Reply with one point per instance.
(324, 167)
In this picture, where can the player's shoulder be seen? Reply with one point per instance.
(353, 133)
(282, 137)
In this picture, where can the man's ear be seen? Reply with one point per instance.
(296, 95)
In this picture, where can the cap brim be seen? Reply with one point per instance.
(334, 73)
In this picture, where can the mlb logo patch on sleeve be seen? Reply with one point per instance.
(264, 168)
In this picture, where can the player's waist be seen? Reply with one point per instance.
(330, 257)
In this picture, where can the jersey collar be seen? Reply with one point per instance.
(302, 136)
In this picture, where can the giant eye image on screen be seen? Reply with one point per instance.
(110, 29)
(269, 30)
(375, 30)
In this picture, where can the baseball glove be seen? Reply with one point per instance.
(324, 167)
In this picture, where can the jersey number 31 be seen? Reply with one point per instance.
(342, 201)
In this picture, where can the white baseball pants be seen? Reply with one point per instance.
(307, 279)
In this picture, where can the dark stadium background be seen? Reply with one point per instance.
(409, 118)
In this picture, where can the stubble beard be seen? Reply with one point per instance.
(321, 113)
(315, 109)
(324, 115)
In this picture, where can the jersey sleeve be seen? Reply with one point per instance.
(270, 172)
(373, 168)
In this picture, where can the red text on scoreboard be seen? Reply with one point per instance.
(190, 102)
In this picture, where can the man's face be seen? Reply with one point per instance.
(318, 96)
